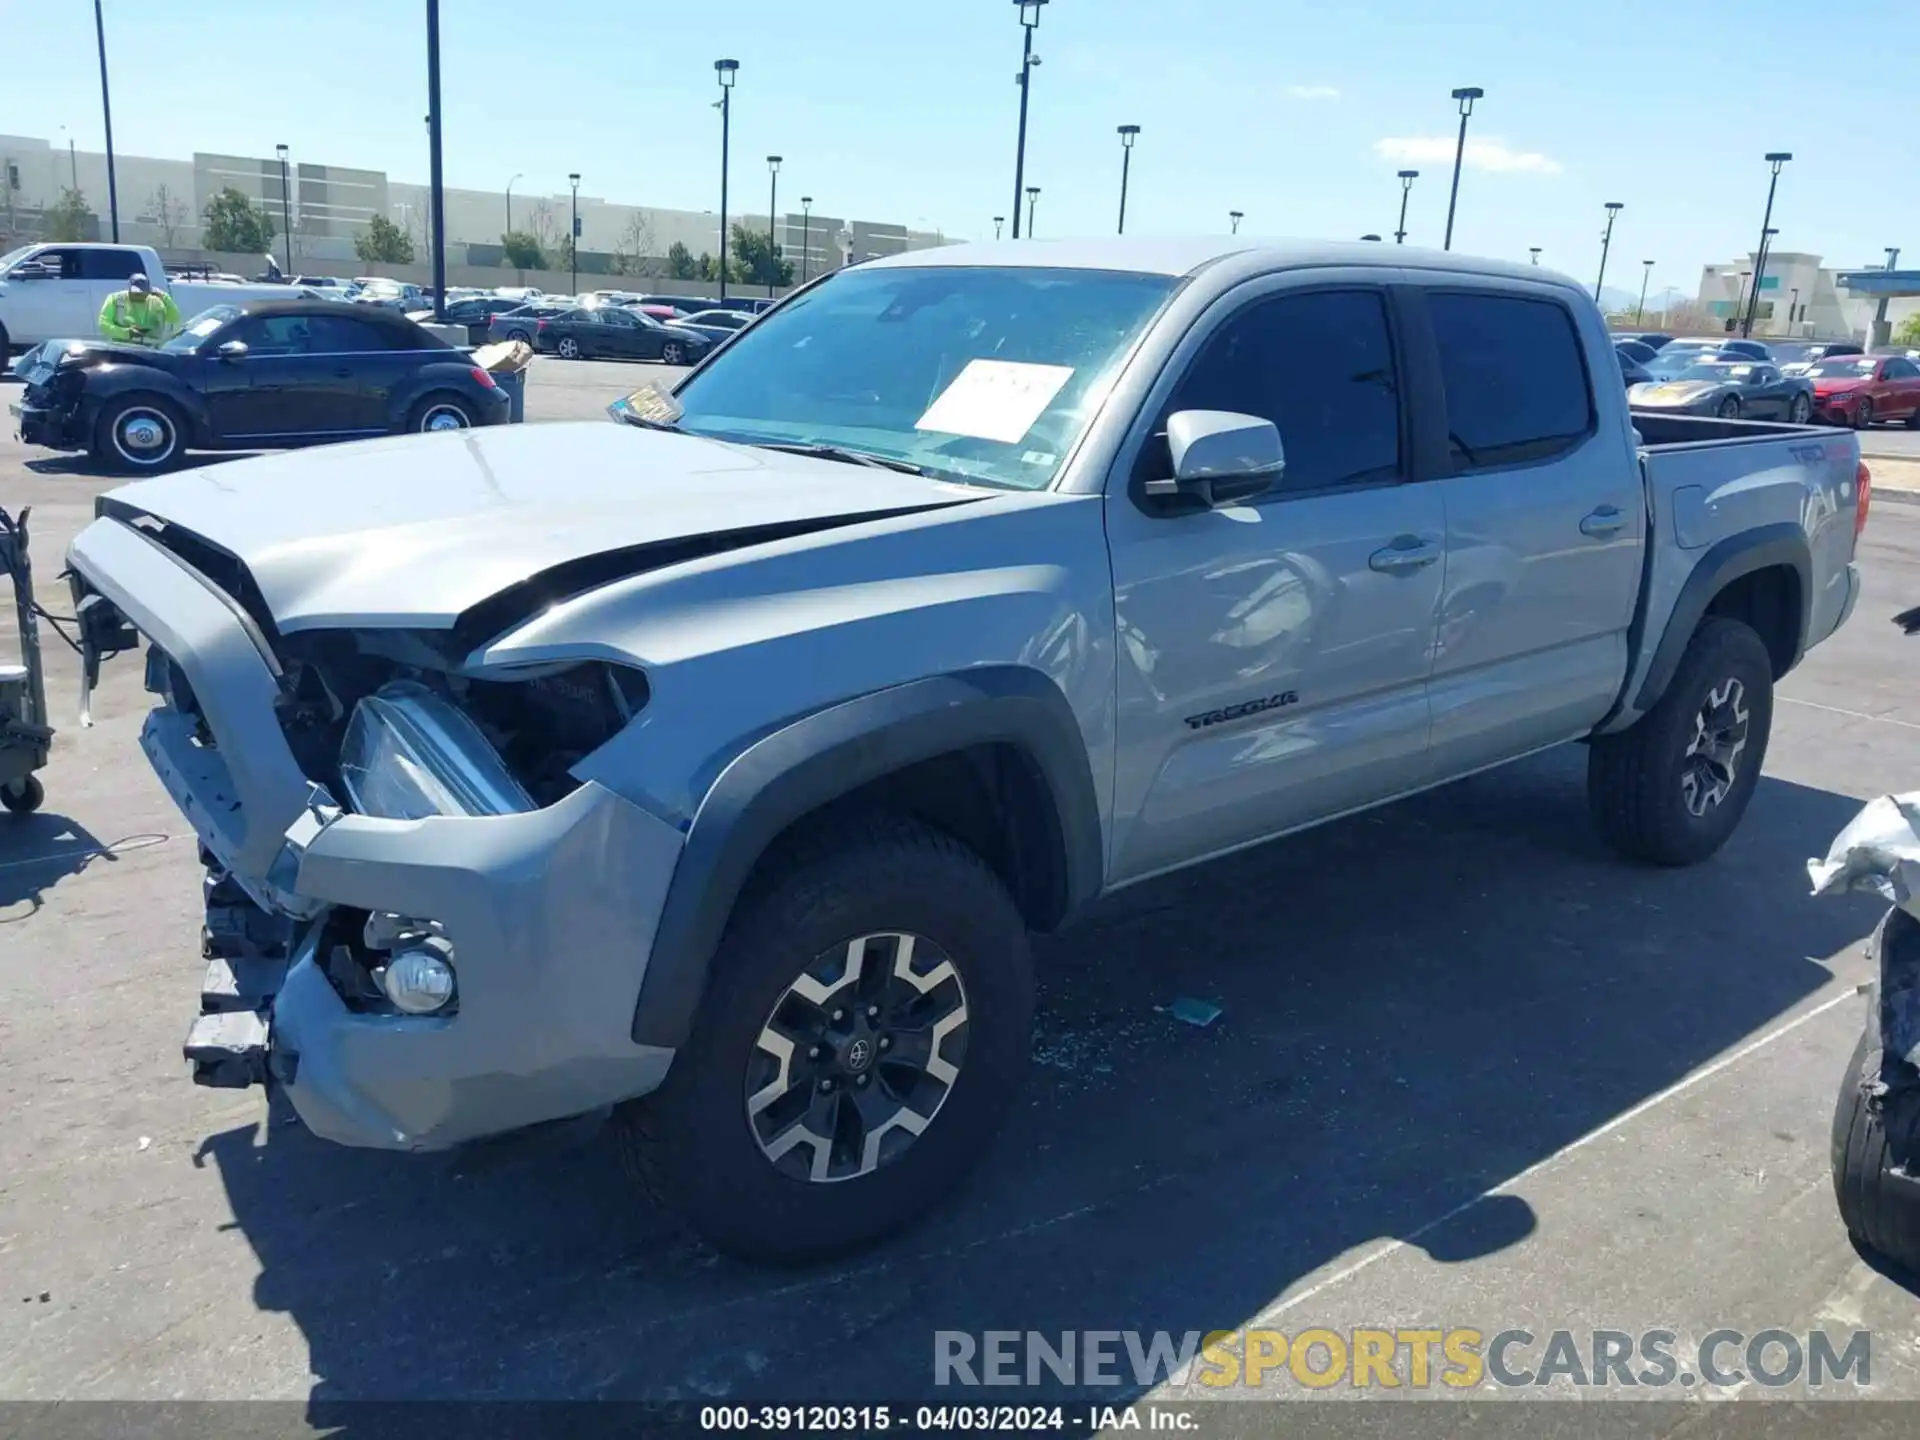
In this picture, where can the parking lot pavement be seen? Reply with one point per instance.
(1884, 440)
(1471, 1071)
(582, 389)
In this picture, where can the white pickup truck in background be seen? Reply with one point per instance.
(54, 291)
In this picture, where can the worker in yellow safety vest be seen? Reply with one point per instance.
(139, 314)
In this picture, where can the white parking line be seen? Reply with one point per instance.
(1850, 714)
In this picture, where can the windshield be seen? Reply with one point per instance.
(7, 260)
(199, 328)
(1718, 374)
(976, 373)
(1852, 368)
(1671, 362)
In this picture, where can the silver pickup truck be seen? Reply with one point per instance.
(711, 770)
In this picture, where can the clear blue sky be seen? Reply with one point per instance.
(905, 109)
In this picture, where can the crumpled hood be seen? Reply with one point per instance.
(414, 530)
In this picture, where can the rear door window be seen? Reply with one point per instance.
(1515, 376)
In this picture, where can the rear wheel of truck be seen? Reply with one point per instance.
(1670, 789)
(139, 434)
(866, 1025)
(1875, 1147)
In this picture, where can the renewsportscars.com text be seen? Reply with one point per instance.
(1416, 1359)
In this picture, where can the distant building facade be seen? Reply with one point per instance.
(1798, 298)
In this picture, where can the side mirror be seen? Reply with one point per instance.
(32, 271)
(231, 349)
(1220, 457)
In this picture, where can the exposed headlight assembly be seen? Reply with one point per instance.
(410, 754)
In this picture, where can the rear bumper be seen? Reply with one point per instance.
(551, 914)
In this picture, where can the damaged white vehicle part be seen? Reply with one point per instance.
(1879, 853)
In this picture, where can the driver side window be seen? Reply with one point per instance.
(273, 334)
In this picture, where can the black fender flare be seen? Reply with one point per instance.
(108, 384)
(807, 764)
(1757, 549)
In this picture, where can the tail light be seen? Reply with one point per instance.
(541, 325)
(485, 378)
(1862, 497)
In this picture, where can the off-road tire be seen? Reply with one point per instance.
(690, 1144)
(24, 796)
(1879, 1199)
(1634, 790)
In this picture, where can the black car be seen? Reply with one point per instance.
(475, 312)
(1652, 339)
(520, 322)
(1638, 351)
(615, 332)
(1631, 370)
(246, 377)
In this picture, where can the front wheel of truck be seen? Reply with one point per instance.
(1671, 789)
(866, 1026)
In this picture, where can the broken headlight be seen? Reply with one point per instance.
(409, 753)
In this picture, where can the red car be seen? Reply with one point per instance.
(1859, 390)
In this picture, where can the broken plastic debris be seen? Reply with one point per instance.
(1193, 1012)
(145, 1141)
(1878, 854)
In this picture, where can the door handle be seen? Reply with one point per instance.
(1403, 559)
(1603, 522)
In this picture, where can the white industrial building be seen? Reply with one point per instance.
(1798, 297)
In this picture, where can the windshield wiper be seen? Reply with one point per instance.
(848, 457)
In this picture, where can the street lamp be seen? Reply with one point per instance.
(286, 206)
(106, 115)
(1614, 207)
(436, 175)
(1033, 194)
(725, 71)
(1029, 20)
(1640, 310)
(573, 239)
(1534, 251)
(998, 221)
(1128, 134)
(773, 200)
(1407, 177)
(509, 229)
(1777, 160)
(1793, 306)
(806, 234)
(1236, 216)
(1466, 95)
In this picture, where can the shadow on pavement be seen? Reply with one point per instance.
(37, 852)
(1418, 1004)
(64, 463)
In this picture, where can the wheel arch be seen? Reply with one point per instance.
(104, 391)
(1761, 577)
(992, 755)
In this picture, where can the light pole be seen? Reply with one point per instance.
(435, 174)
(286, 206)
(806, 234)
(1033, 194)
(1777, 160)
(1640, 310)
(773, 199)
(1614, 207)
(1466, 95)
(509, 229)
(998, 221)
(1407, 177)
(1128, 134)
(1534, 251)
(725, 71)
(1029, 21)
(1793, 307)
(573, 228)
(1760, 265)
(1236, 216)
(106, 115)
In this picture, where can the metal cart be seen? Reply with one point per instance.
(25, 736)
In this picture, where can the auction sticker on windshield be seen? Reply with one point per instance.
(995, 400)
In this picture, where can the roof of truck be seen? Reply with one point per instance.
(1185, 255)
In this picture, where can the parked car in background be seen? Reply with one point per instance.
(1652, 339)
(1731, 389)
(324, 282)
(520, 322)
(1631, 370)
(716, 325)
(1795, 359)
(391, 294)
(475, 312)
(1637, 351)
(616, 332)
(55, 291)
(1861, 390)
(1679, 355)
(246, 377)
(1744, 350)
(685, 304)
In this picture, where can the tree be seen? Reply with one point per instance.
(680, 262)
(756, 260)
(68, 218)
(563, 259)
(169, 213)
(524, 251)
(541, 226)
(383, 242)
(235, 225)
(1909, 331)
(633, 251)
(708, 269)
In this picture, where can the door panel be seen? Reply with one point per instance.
(1272, 672)
(1545, 528)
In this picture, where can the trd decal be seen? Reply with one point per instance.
(1243, 709)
